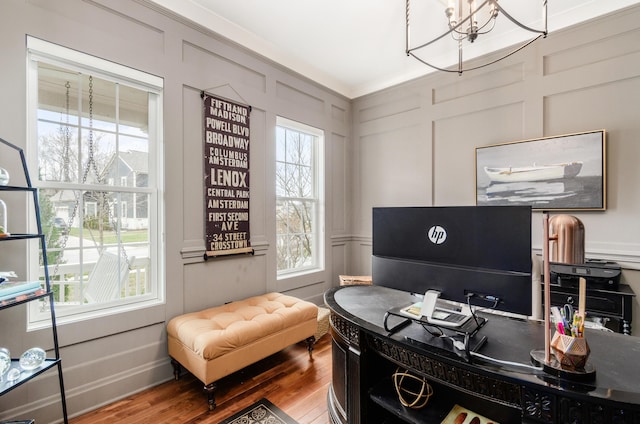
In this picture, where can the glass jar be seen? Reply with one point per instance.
(3, 218)
(32, 358)
(5, 361)
(4, 177)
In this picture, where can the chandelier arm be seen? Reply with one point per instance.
(451, 29)
(468, 18)
(428, 43)
(512, 52)
(523, 26)
(458, 36)
(432, 66)
(490, 21)
(460, 70)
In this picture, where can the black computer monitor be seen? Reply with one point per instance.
(476, 254)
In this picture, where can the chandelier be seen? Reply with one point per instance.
(467, 21)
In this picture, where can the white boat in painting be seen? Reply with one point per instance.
(533, 173)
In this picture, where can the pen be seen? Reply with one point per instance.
(578, 323)
(557, 316)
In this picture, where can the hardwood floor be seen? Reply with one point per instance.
(288, 379)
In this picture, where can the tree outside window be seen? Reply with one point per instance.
(298, 240)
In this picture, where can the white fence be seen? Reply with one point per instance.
(70, 280)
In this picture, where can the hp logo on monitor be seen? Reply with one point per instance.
(437, 234)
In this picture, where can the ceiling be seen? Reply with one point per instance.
(355, 47)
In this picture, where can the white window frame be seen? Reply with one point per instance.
(39, 50)
(318, 251)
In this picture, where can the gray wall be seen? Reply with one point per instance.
(409, 145)
(415, 143)
(111, 357)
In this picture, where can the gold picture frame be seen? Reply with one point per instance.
(566, 172)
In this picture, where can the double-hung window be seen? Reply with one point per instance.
(95, 139)
(299, 190)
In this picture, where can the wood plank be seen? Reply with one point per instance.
(288, 379)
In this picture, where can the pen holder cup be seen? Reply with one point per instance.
(571, 352)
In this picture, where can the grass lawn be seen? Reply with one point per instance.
(110, 237)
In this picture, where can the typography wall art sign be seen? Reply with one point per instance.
(226, 176)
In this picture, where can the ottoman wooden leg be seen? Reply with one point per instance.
(211, 399)
(310, 342)
(176, 369)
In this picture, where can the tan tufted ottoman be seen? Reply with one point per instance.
(218, 341)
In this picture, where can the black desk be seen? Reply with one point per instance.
(365, 356)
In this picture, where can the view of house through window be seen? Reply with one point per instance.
(298, 197)
(95, 151)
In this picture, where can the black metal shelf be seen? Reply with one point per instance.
(17, 188)
(24, 298)
(55, 362)
(7, 386)
(19, 237)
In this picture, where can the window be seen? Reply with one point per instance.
(299, 190)
(94, 125)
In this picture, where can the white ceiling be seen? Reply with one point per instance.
(355, 47)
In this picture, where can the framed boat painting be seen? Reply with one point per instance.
(566, 172)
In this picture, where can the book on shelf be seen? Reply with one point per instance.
(11, 289)
(21, 297)
(460, 415)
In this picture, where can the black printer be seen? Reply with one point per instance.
(599, 274)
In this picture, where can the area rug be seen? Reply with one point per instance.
(261, 412)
